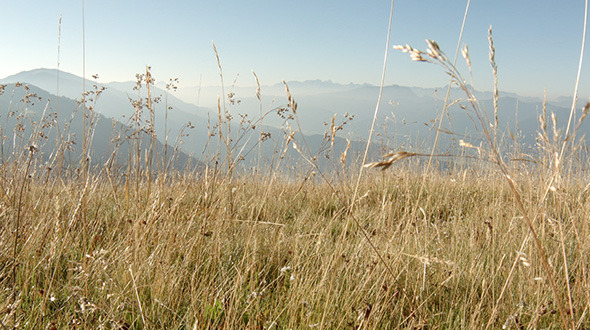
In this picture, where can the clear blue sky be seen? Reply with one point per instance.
(537, 42)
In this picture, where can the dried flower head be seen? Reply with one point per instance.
(465, 53)
(415, 54)
(584, 113)
(393, 157)
(434, 50)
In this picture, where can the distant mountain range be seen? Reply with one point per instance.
(114, 102)
(191, 130)
(30, 116)
(406, 119)
(406, 113)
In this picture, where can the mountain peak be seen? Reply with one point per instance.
(46, 79)
(39, 73)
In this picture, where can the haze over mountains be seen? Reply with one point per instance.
(406, 113)
(406, 119)
(28, 118)
(409, 106)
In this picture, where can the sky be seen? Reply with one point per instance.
(537, 42)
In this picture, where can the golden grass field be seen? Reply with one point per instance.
(492, 243)
(454, 251)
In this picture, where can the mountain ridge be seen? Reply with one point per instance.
(309, 83)
(407, 114)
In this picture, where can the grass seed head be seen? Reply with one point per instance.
(393, 157)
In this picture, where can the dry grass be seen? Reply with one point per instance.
(242, 254)
(181, 250)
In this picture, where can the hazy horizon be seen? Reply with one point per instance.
(537, 47)
(582, 95)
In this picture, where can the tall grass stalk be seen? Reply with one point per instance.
(151, 129)
(58, 136)
(372, 129)
(85, 147)
(448, 92)
(17, 225)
